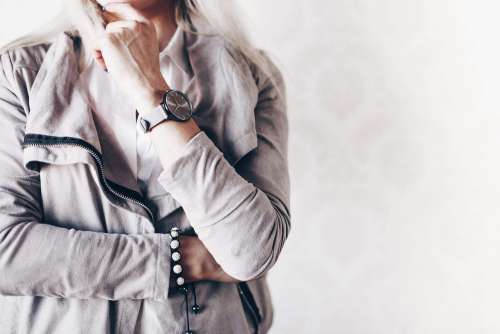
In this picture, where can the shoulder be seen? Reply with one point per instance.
(29, 57)
(18, 70)
(267, 72)
(257, 66)
(19, 66)
(212, 52)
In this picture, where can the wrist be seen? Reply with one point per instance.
(151, 99)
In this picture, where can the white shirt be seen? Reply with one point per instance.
(131, 160)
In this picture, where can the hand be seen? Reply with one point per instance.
(198, 264)
(128, 49)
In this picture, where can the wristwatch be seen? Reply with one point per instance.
(175, 105)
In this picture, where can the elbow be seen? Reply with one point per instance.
(263, 255)
(251, 273)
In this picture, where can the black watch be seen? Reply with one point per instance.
(175, 105)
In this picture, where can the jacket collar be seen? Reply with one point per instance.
(176, 52)
(57, 106)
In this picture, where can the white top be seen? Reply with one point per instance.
(115, 118)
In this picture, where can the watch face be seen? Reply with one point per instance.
(178, 104)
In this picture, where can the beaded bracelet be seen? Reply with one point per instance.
(176, 256)
(177, 270)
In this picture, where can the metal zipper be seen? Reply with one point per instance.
(100, 168)
(249, 305)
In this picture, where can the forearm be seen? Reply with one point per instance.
(238, 223)
(44, 260)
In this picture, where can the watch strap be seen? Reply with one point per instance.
(153, 118)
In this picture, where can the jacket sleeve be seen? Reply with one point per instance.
(240, 213)
(40, 259)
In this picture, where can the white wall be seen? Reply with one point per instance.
(394, 144)
(394, 153)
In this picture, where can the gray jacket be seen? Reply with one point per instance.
(80, 253)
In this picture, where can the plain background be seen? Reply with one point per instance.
(394, 159)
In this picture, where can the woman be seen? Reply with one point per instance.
(171, 231)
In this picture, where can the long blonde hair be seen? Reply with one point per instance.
(205, 16)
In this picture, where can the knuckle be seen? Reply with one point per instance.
(139, 26)
(145, 24)
(135, 26)
(112, 37)
(110, 26)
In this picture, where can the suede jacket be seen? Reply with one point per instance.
(80, 253)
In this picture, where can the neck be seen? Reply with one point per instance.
(162, 15)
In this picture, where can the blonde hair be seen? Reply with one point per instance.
(197, 16)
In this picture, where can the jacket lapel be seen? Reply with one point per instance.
(57, 106)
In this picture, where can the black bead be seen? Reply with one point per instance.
(188, 332)
(196, 308)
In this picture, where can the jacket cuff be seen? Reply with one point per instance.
(162, 280)
(187, 158)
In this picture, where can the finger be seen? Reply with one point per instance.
(125, 30)
(119, 25)
(126, 11)
(109, 17)
(102, 64)
(100, 60)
